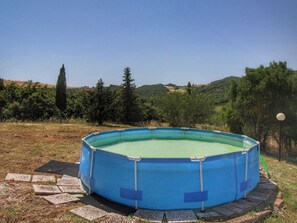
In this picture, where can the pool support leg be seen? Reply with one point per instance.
(201, 184)
(91, 169)
(135, 159)
(246, 170)
(200, 159)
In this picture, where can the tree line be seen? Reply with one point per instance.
(32, 102)
(252, 103)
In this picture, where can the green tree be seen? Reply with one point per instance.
(1, 84)
(189, 88)
(186, 110)
(2, 98)
(129, 103)
(99, 104)
(61, 98)
(77, 104)
(258, 97)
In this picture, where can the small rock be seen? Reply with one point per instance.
(89, 212)
(279, 195)
(279, 204)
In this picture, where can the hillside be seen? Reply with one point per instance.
(151, 91)
(217, 89)
(21, 83)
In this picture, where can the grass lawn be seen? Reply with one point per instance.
(285, 175)
(26, 146)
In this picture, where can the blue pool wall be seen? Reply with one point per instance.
(169, 183)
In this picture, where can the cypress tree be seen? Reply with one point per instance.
(61, 102)
(1, 84)
(189, 88)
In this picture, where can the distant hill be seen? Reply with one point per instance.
(217, 89)
(151, 91)
(21, 83)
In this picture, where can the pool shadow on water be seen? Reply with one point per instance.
(59, 167)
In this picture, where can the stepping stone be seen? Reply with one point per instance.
(258, 193)
(243, 204)
(180, 216)
(257, 197)
(267, 186)
(72, 189)
(43, 178)
(213, 214)
(149, 215)
(208, 214)
(61, 198)
(68, 181)
(223, 211)
(203, 215)
(46, 189)
(89, 212)
(18, 177)
(235, 209)
(67, 176)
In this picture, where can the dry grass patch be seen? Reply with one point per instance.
(27, 146)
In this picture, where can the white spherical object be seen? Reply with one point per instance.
(281, 117)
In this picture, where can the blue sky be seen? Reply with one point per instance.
(161, 41)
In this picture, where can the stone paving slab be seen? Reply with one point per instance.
(235, 209)
(259, 193)
(243, 204)
(202, 215)
(46, 189)
(89, 212)
(267, 186)
(61, 198)
(18, 177)
(265, 191)
(68, 181)
(149, 215)
(254, 201)
(223, 211)
(72, 189)
(256, 197)
(68, 176)
(208, 214)
(43, 178)
(180, 216)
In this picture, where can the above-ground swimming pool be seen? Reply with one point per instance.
(169, 168)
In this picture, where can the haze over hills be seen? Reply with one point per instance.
(217, 89)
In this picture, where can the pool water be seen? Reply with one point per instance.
(157, 148)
